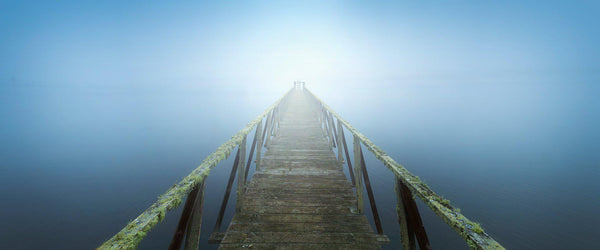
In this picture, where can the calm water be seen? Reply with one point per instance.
(77, 163)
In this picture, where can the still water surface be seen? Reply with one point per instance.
(522, 159)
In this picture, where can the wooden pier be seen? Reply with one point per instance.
(299, 196)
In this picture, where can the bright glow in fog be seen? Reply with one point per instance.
(118, 44)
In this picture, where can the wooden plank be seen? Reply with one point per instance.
(300, 202)
(300, 227)
(262, 209)
(306, 218)
(303, 237)
(275, 197)
(277, 177)
(303, 246)
(297, 191)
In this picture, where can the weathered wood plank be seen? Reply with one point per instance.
(284, 190)
(300, 196)
(303, 237)
(300, 202)
(298, 209)
(303, 246)
(306, 218)
(300, 227)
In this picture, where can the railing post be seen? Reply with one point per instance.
(273, 124)
(332, 124)
(192, 236)
(413, 217)
(216, 236)
(370, 192)
(350, 169)
(407, 235)
(269, 128)
(259, 144)
(325, 128)
(331, 135)
(252, 148)
(276, 122)
(339, 143)
(358, 176)
(323, 122)
(184, 219)
(241, 187)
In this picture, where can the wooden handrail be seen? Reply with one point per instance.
(132, 234)
(471, 232)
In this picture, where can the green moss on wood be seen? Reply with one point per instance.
(133, 233)
(473, 235)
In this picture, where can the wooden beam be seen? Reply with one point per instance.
(340, 153)
(474, 236)
(259, 145)
(241, 187)
(350, 169)
(414, 218)
(256, 135)
(192, 236)
(407, 236)
(360, 206)
(269, 128)
(331, 129)
(217, 227)
(370, 193)
(184, 219)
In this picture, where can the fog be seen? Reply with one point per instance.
(104, 106)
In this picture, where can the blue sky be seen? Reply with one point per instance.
(148, 43)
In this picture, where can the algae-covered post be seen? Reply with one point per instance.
(414, 218)
(407, 235)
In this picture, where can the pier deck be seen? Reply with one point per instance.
(299, 198)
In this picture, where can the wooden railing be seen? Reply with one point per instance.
(192, 186)
(407, 185)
